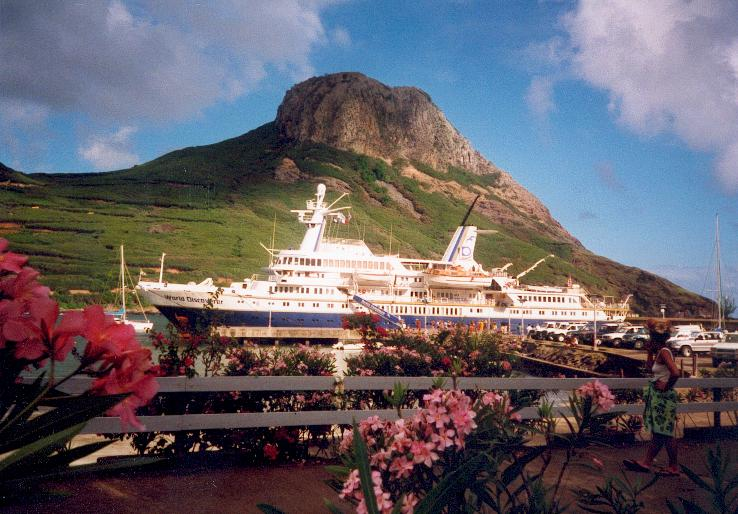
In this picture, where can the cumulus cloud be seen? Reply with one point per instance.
(539, 97)
(157, 60)
(112, 151)
(667, 66)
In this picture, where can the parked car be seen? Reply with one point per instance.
(636, 339)
(699, 342)
(562, 331)
(725, 350)
(540, 332)
(585, 334)
(615, 338)
(581, 335)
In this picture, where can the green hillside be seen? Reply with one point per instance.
(209, 207)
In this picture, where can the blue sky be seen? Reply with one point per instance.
(622, 117)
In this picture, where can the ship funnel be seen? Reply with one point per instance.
(460, 250)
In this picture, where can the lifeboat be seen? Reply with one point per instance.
(456, 277)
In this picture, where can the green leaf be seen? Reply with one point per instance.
(516, 468)
(397, 509)
(453, 483)
(691, 507)
(674, 509)
(340, 472)
(365, 474)
(25, 394)
(40, 445)
(331, 507)
(66, 457)
(694, 477)
(75, 410)
(268, 509)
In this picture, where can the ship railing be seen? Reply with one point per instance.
(339, 385)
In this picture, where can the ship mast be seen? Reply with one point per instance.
(718, 277)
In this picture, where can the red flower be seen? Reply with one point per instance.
(35, 335)
(446, 362)
(10, 261)
(271, 451)
(23, 286)
(106, 339)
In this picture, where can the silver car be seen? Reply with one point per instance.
(699, 342)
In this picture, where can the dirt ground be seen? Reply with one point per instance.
(299, 489)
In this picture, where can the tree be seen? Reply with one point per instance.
(729, 305)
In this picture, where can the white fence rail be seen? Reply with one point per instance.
(172, 423)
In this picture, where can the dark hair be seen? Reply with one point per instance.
(659, 331)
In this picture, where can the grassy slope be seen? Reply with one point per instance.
(209, 207)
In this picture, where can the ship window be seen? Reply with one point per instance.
(315, 304)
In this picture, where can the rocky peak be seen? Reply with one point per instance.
(351, 111)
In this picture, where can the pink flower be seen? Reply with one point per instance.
(352, 483)
(602, 398)
(401, 467)
(506, 366)
(408, 503)
(598, 463)
(423, 453)
(491, 398)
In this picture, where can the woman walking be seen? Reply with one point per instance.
(659, 415)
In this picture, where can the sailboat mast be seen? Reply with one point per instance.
(718, 277)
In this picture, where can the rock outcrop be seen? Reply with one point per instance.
(353, 112)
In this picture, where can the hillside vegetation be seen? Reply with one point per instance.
(209, 207)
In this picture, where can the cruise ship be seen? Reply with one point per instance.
(326, 279)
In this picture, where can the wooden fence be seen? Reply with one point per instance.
(172, 423)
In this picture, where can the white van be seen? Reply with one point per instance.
(685, 330)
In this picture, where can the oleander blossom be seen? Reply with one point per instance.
(403, 448)
(30, 333)
(602, 398)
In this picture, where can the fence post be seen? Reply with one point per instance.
(694, 364)
(717, 395)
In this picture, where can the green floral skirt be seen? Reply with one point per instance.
(659, 416)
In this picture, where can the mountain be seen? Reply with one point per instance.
(410, 174)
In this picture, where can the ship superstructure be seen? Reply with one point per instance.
(326, 279)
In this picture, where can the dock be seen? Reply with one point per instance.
(290, 333)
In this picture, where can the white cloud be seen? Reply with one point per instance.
(539, 97)
(157, 60)
(111, 151)
(667, 66)
(341, 37)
